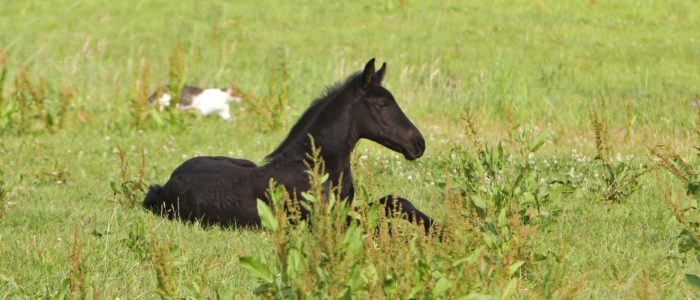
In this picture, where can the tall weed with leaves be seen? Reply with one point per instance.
(685, 210)
(34, 106)
(619, 179)
(128, 191)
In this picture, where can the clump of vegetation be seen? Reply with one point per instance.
(685, 210)
(67, 96)
(137, 240)
(129, 190)
(145, 114)
(619, 177)
(321, 257)
(34, 105)
(168, 282)
(77, 285)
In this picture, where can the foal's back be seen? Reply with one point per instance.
(213, 164)
(215, 190)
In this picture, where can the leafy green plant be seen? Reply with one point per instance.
(34, 105)
(76, 270)
(320, 244)
(168, 281)
(137, 241)
(685, 210)
(128, 191)
(502, 198)
(67, 95)
(619, 178)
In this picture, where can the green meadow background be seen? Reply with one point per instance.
(543, 63)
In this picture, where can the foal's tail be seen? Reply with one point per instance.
(154, 198)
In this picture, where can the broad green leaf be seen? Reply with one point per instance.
(478, 202)
(331, 203)
(471, 259)
(539, 257)
(256, 268)
(536, 143)
(489, 241)
(276, 193)
(294, 263)
(693, 279)
(308, 196)
(441, 287)
(352, 242)
(515, 267)
(266, 216)
(503, 219)
(356, 281)
(369, 272)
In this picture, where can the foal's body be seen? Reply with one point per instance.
(221, 190)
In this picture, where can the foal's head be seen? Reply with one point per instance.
(379, 118)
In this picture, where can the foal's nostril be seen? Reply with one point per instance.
(421, 143)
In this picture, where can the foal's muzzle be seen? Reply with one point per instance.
(415, 146)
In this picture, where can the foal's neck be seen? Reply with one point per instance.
(334, 135)
(336, 138)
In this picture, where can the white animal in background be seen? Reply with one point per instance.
(207, 101)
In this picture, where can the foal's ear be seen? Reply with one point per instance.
(379, 76)
(368, 73)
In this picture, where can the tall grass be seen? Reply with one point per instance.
(129, 190)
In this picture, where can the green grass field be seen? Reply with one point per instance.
(533, 75)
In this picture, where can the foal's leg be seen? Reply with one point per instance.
(399, 207)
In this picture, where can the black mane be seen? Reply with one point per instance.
(302, 126)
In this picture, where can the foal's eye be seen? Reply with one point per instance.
(382, 103)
